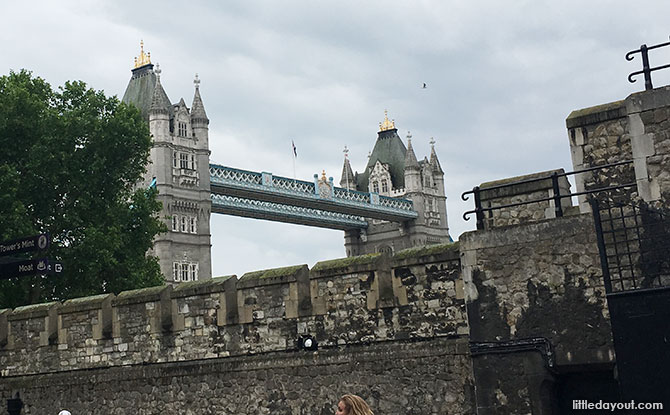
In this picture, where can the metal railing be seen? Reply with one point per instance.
(646, 70)
(556, 198)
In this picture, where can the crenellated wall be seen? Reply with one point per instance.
(396, 311)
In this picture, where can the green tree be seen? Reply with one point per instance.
(69, 164)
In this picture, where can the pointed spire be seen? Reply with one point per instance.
(348, 180)
(198, 109)
(434, 162)
(160, 103)
(410, 157)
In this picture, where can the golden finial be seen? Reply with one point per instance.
(144, 58)
(386, 125)
(323, 176)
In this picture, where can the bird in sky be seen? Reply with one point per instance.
(424, 86)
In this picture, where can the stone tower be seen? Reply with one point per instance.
(393, 170)
(179, 165)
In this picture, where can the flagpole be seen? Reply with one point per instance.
(293, 154)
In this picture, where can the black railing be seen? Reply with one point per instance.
(646, 69)
(634, 245)
(556, 197)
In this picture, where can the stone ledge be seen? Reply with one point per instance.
(648, 100)
(427, 254)
(271, 276)
(528, 233)
(143, 295)
(342, 266)
(32, 311)
(77, 305)
(597, 114)
(518, 189)
(210, 286)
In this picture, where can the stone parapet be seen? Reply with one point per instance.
(415, 294)
(522, 191)
(637, 129)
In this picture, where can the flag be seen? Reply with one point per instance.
(295, 152)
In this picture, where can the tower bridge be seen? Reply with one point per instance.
(319, 203)
(397, 202)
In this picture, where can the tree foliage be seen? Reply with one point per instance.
(70, 160)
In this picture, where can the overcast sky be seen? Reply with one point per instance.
(501, 78)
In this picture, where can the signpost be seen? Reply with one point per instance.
(20, 267)
(25, 267)
(39, 242)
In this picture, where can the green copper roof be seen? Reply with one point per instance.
(389, 149)
(140, 90)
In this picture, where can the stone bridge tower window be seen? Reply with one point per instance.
(182, 129)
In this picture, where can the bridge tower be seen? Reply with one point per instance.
(179, 164)
(393, 170)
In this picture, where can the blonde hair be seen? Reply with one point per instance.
(355, 405)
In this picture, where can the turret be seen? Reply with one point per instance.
(199, 120)
(159, 111)
(438, 173)
(348, 180)
(412, 169)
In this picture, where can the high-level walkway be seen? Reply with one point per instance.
(319, 203)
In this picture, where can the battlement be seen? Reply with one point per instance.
(415, 294)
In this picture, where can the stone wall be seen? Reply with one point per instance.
(393, 329)
(536, 302)
(518, 191)
(425, 377)
(638, 129)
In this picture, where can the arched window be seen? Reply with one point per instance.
(385, 249)
(385, 186)
(375, 187)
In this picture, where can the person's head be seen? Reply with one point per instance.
(352, 405)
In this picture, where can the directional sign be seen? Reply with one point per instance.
(25, 267)
(32, 243)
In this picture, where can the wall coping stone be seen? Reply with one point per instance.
(596, 114)
(427, 254)
(519, 188)
(271, 276)
(648, 100)
(209, 286)
(32, 311)
(526, 232)
(348, 265)
(142, 295)
(77, 305)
